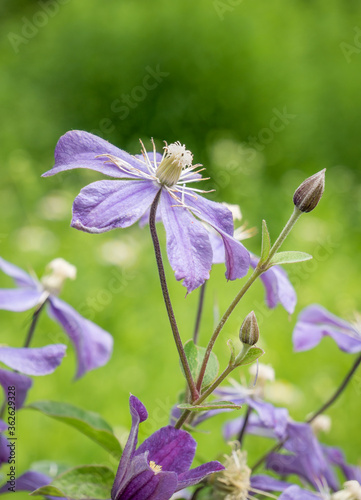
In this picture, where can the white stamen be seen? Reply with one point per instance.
(58, 270)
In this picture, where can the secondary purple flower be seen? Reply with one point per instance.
(315, 322)
(160, 465)
(21, 385)
(93, 344)
(110, 204)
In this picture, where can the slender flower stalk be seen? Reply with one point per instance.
(33, 324)
(166, 296)
(199, 312)
(244, 426)
(323, 408)
(256, 273)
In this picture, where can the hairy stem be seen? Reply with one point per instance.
(244, 426)
(324, 407)
(33, 324)
(167, 301)
(199, 312)
(256, 273)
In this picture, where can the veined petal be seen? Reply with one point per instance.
(20, 277)
(33, 360)
(171, 448)
(268, 483)
(188, 247)
(141, 483)
(79, 149)
(278, 287)
(139, 414)
(21, 383)
(19, 299)
(196, 475)
(93, 345)
(315, 322)
(105, 205)
(220, 218)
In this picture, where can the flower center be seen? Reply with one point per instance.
(233, 483)
(351, 491)
(156, 468)
(175, 158)
(58, 270)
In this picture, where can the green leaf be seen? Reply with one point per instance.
(252, 355)
(232, 349)
(195, 355)
(81, 483)
(266, 242)
(289, 258)
(89, 423)
(215, 405)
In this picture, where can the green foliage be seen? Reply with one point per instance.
(290, 257)
(214, 405)
(81, 483)
(195, 355)
(89, 423)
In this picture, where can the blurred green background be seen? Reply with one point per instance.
(264, 93)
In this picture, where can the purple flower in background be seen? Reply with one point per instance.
(110, 204)
(296, 493)
(315, 322)
(93, 344)
(279, 289)
(160, 466)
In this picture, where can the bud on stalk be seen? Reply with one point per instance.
(309, 193)
(249, 331)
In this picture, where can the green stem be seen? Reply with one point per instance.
(199, 312)
(167, 301)
(256, 273)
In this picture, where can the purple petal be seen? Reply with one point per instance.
(79, 149)
(141, 483)
(139, 414)
(296, 493)
(93, 345)
(105, 205)
(220, 218)
(335, 457)
(219, 255)
(188, 247)
(267, 483)
(19, 299)
(171, 448)
(20, 277)
(270, 416)
(278, 287)
(307, 459)
(4, 451)
(3, 425)
(29, 481)
(196, 475)
(21, 383)
(315, 322)
(33, 360)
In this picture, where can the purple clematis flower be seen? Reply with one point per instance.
(159, 467)
(110, 204)
(93, 344)
(315, 322)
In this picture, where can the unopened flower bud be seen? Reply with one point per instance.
(249, 331)
(309, 193)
